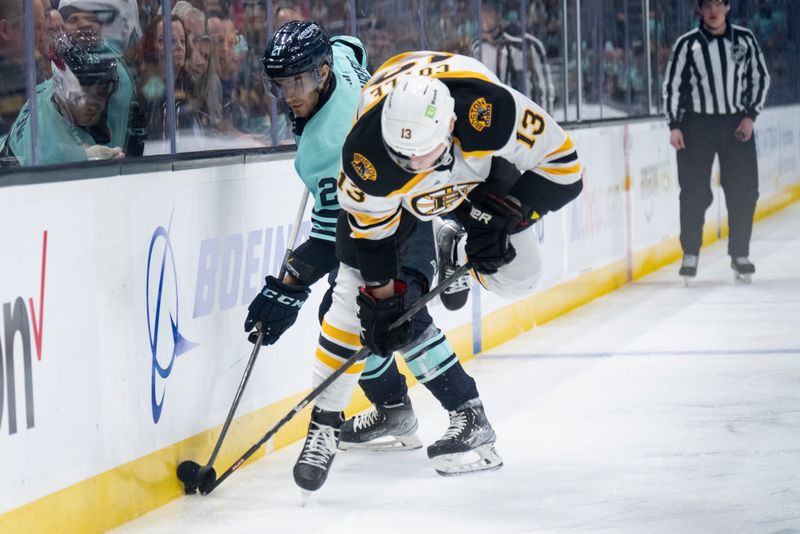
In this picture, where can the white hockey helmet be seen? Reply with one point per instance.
(416, 119)
(119, 18)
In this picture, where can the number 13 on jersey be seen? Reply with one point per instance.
(531, 126)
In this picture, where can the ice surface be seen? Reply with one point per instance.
(658, 408)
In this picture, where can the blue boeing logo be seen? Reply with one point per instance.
(166, 341)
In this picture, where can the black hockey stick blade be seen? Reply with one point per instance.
(362, 353)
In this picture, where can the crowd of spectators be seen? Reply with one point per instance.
(215, 95)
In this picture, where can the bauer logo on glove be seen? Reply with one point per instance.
(480, 216)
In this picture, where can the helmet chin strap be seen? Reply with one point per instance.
(447, 156)
(445, 159)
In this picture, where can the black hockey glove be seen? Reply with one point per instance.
(376, 317)
(276, 308)
(489, 221)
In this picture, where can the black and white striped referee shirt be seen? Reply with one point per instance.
(715, 75)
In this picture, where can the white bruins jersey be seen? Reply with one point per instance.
(492, 121)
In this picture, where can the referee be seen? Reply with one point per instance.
(715, 86)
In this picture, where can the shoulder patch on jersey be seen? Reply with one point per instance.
(364, 168)
(485, 113)
(480, 114)
(739, 53)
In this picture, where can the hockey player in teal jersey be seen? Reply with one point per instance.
(82, 110)
(320, 80)
(319, 132)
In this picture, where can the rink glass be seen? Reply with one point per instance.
(617, 70)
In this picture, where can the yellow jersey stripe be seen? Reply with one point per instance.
(574, 169)
(358, 234)
(474, 153)
(366, 220)
(411, 184)
(568, 145)
(461, 74)
(478, 153)
(481, 279)
(335, 363)
(369, 107)
(336, 334)
(366, 109)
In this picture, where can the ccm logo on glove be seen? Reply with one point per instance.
(282, 299)
(276, 308)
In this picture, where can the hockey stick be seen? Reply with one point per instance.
(209, 483)
(191, 473)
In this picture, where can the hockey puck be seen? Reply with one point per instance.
(187, 473)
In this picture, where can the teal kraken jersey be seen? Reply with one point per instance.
(60, 141)
(319, 148)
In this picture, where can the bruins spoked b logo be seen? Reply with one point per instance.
(442, 200)
(480, 114)
(364, 168)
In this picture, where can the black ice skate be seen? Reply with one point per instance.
(311, 468)
(385, 427)
(468, 444)
(743, 269)
(688, 268)
(447, 235)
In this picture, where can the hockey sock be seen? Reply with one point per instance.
(382, 381)
(434, 363)
(453, 388)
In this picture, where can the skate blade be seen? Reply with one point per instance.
(687, 280)
(464, 463)
(742, 278)
(307, 499)
(396, 443)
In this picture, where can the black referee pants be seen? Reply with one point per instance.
(705, 136)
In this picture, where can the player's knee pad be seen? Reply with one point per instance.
(518, 278)
(429, 355)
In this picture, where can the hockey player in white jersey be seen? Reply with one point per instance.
(450, 132)
(438, 133)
